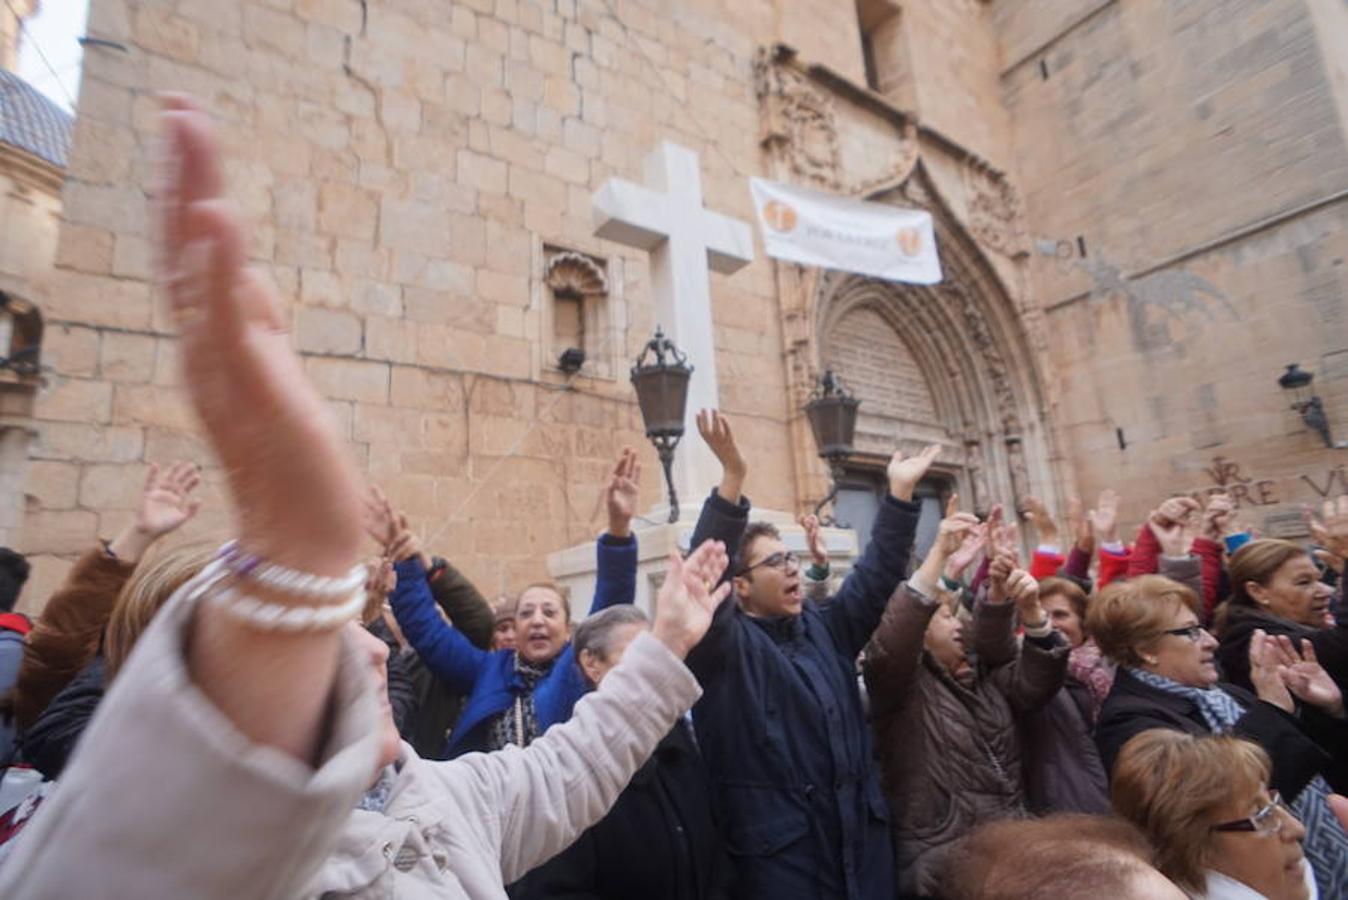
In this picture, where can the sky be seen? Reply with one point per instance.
(55, 31)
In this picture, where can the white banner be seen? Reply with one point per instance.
(819, 229)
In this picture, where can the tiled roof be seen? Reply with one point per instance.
(31, 122)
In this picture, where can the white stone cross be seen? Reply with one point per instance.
(666, 219)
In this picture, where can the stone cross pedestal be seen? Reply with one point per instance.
(665, 217)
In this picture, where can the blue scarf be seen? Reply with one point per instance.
(1325, 846)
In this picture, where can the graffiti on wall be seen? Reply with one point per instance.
(1249, 492)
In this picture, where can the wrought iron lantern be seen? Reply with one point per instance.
(1306, 402)
(660, 376)
(832, 412)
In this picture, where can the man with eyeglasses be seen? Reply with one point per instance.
(780, 722)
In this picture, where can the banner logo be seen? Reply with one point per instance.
(910, 241)
(779, 216)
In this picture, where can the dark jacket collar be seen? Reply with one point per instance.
(1243, 620)
(781, 629)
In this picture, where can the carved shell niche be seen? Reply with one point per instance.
(575, 274)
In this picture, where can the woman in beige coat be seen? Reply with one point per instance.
(231, 756)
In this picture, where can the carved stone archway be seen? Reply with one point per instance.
(972, 354)
(973, 341)
(967, 346)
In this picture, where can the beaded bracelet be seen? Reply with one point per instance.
(290, 581)
(275, 617)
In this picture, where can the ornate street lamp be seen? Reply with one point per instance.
(662, 393)
(1306, 402)
(832, 412)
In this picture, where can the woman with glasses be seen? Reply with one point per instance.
(1167, 679)
(1205, 802)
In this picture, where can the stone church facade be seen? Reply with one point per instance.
(1139, 208)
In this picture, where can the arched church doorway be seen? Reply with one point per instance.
(948, 363)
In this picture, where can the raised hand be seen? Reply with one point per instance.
(1023, 590)
(294, 487)
(382, 579)
(950, 535)
(1176, 509)
(1217, 516)
(1170, 525)
(1038, 515)
(1306, 679)
(1003, 536)
(905, 472)
(1104, 518)
(295, 490)
(166, 504)
(715, 430)
(968, 551)
(1082, 535)
(689, 596)
(954, 528)
(381, 519)
(814, 540)
(1330, 531)
(1330, 560)
(999, 572)
(167, 501)
(620, 494)
(1266, 662)
(406, 544)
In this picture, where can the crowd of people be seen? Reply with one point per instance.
(319, 709)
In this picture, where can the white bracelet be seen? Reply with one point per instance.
(291, 581)
(275, 617)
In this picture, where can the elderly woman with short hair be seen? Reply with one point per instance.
(1167, 679)
(659, 841)
(1220, 831)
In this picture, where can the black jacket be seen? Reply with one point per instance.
(658, 842)
(1233, 654)
(1133, 707)
(782, 730)
(49, 743)
(1331, 649)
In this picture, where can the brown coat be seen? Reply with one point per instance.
(66, 636)
(949, 752)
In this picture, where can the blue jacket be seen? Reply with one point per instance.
(781, 727)
(488, 677)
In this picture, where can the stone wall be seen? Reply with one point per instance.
(10, 22)
(30, 208)
(403, 162)
(1184, 174)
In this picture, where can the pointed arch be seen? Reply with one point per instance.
(972, 348)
